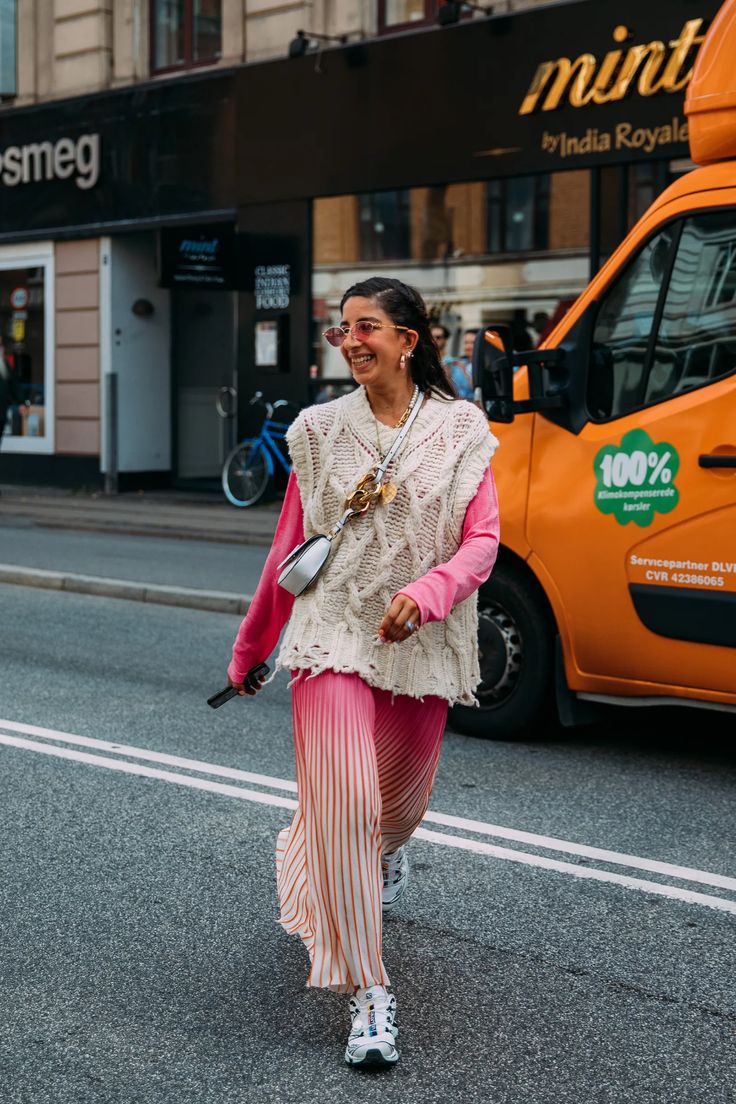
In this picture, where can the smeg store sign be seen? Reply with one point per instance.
(73, 159)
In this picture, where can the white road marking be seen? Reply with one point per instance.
(149, 772)
(549, 843)
(152, 756)
(578, 871)
(475, 846)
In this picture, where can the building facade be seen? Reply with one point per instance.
(187, 187)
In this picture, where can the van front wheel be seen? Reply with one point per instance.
(516, 642)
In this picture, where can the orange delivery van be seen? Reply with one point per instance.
(616, 576)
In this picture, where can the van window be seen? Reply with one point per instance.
(624, 327)
(668, 324)
(696, 339)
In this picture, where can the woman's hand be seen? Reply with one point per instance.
(401, 621)
(251, 689)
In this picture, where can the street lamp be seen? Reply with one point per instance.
(299, 45)
(451, 10)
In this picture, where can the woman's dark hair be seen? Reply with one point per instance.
(405, 307)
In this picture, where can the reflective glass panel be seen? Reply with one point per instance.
(397, 12)
(22, 352)
(207, 37)
(168, 30)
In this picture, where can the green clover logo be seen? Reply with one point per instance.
(635, 480)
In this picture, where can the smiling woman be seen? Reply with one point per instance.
(381, 641)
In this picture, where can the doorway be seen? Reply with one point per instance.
(203, 363)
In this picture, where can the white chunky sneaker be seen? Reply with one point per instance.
(372, 1039)
(395, 867)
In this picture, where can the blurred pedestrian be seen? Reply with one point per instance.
(380, 644)
(326, 393)
(441, 336)
(461, 368)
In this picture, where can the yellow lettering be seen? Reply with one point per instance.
(600, 92)
(623, 132)
(650, 71)
(578, 72)
(681, 47)
(585, 82)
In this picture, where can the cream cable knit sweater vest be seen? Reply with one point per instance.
(334, 625)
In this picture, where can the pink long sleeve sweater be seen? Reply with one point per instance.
(434, 593)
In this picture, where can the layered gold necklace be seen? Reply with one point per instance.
(369, 488)
(388, 489)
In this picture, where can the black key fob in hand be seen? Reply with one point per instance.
(251, 681)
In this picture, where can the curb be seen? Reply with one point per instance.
(216, 601)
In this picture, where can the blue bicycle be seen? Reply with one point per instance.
(249, 468)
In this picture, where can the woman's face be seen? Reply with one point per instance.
(375, 360)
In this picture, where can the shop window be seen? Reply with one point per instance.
(384, 226)
(396, 15)
(8, 32)
(518, 214)
(646, 180)
(25, 349)
(185, 33)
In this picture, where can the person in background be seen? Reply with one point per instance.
(441, 336)
(379, 645)
(461, 368)
(326, 393)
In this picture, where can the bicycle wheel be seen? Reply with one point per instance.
(246, 474)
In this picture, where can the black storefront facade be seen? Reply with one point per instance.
(156, 241)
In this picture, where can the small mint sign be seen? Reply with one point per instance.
(636, 479)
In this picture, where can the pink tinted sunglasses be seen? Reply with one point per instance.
(360, 331)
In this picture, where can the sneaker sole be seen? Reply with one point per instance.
(382, 1054)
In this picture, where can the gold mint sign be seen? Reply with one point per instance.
(586, 81)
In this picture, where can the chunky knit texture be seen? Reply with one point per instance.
(334, 625)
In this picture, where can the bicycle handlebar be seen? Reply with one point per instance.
(258, 400)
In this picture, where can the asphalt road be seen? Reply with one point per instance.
(544, 953)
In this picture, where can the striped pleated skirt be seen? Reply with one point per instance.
(365, 764)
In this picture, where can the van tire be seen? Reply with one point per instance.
(516, 634)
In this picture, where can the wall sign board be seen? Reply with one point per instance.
(568, 85)
(199, 257)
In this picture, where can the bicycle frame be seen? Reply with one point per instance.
(271, 433)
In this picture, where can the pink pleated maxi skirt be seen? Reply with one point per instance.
(365, 767)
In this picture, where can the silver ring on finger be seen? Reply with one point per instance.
(409, 626)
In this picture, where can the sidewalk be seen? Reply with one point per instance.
(124, 568)
(193, 515)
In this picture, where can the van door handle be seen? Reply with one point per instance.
(717, 460)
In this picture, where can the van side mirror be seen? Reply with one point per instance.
(493, 372)
(494, 361)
